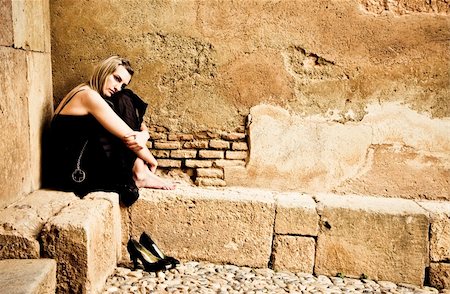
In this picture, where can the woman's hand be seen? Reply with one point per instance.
(136, 140)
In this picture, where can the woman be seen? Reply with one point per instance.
(93, 145)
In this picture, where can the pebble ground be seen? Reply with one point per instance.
(203, 277)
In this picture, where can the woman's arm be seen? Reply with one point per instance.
(106, 116)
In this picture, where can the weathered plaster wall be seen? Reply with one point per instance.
(26, 94)
(352, 67)
(311, 57)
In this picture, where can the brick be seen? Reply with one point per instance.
(167, 145)
(219, 144)
(186, 137)
(233, 136)
(161, 153)
(210, 172)
(157, 136)
(239, 146)
(211, 154)
(210, 182)
(196, 145)
(198, 163)
(236, 155)
(172, 137)
(183, 153)
(169, 163)
(206, 135)
(149, 144)
(228, 162)
(294, 253)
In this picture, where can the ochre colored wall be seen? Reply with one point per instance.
(310, 57)
(26, 94)
(349, 65)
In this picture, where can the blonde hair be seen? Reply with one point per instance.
(104, 69)
(101, 72)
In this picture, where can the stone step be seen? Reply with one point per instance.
(28, 276)
(390, 239)
(82, 236)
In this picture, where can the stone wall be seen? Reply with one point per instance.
(366, 82)
(26, 94)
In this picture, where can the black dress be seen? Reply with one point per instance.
(84, 157)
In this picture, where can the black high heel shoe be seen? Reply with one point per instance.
(150, 262)
(148, 243)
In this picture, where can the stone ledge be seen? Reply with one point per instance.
(225, 226)
(83, 239)
(37, 276)
(21, 222)
(382, 238)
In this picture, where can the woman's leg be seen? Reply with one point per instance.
(144, 178)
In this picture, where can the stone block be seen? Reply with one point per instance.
(211, 154)
(22, 222)
(6, 23)
(440, 275)
(296, 214)
(439, 229)
(37, 276)
(183, 153)
(294, 253)
(31, 25)
(210, 172)
(82, 239)
(215, 225)
(15, 174)
(40, 108)
(383, 238)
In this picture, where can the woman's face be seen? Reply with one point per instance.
(116, 81)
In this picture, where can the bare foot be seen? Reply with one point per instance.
(150, 180)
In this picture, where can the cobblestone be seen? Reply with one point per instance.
(203, 277)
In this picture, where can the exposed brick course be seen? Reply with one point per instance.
(203, 155)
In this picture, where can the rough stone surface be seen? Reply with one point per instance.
(15, 173)
(31, 21)
(40, 107)
(208, 224)
(296, 214)
(294, 253)
(440, 275)
(204, 277)
(392, 152)
(439, 229)
(6, 22)
(22, 222)
(382, 238)
(81, 238)
(37, 276)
